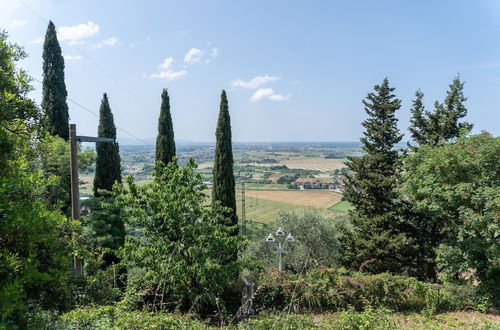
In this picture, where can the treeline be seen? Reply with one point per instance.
(431, 211)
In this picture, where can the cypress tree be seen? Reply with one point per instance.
(223, 189)
(54, 89)
(371, 187)
(165, 144)
(107, 169)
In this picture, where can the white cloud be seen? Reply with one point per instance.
(168, 74)
(75, 34)
(37, 41)
(255, 82)
(214, 52)
(106, 42)
(16, 23)
(193, 55)
(279, 97)
(71, 57)
(268, 93)
(167, 62)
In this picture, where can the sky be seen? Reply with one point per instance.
(293, 70)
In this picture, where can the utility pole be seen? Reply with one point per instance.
(75, 184)
(243, 210)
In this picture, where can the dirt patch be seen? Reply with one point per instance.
(320, 199)
(316, 164)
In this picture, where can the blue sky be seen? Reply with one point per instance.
(293, 70)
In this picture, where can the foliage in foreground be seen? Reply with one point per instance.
(455, 189)
(180, 247)
(108, 317)
(323, 290)
(34, 245)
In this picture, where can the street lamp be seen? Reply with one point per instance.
(280, 238)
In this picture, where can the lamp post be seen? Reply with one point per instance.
(280, 238)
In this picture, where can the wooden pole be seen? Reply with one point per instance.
(75, 193)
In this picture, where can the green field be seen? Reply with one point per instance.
(265, 211)
(342, 207)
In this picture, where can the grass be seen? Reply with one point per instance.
(342, 207)
(262, 210)
(265, 211)
(449, 320)
(274, 186)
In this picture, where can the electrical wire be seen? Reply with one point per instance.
(102, 68)
(96, 115)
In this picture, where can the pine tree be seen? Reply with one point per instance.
(443, 123)
(454, 110)
(165, 144)
(419, 124)
(223, 189)
(54, 89)
(371, 187)
(107, 169)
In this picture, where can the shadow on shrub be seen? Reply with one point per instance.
(334, 289)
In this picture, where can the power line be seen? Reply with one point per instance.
(95, 114)
(33, 11)
(106, 72)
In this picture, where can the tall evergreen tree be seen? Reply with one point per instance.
(107, 169)
(443, 123)
(54, 89)
(223, 189)
(371, 187)
(419, 124)
(165, 144)
(454, 110)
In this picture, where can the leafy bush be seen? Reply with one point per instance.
(180, 262)
(333, 290)
(316, 241)
(369, 319)
(108, 317)
(34, 242)
(278, 322)
(454, 189)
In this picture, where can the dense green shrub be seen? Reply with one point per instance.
(333, 290)
(34, 242)
(454, 189)
(179, 262)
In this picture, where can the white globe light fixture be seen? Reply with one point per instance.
(280, 238)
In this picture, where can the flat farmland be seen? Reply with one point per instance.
(315, 164)
(320, 199)
(265, 211)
